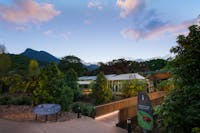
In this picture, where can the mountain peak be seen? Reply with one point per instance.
(29, 49)
(42, 56)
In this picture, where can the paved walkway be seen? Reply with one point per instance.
(83, 125)
(109, 119)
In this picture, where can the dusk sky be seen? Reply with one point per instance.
(96, 30)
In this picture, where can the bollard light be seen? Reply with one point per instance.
(129, 125)
(129, 121)
(79, 111)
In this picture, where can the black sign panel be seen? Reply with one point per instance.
(144, 103)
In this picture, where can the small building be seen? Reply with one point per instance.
(115, 81)
(85, 83)
(155, 77)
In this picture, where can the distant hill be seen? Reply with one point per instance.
(41, 56)
(21, 62)
(91, 67)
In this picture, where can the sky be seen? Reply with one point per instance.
(96, 30)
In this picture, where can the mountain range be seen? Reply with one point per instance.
(45, 58)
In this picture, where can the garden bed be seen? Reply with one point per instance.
(24, 113)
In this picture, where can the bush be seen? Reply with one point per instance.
(196, 130)
(13, 100)
(180, 110)
(166, 85)
(86, 108)
(5, 100)
(22, 100)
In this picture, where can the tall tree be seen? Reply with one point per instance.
(32, 80)
(101, 92)
(70, 62)
(134, 67)
(34, 69)
(54, 87)
(156, 64)
(118, 66)
(71, 81)
(180, 111)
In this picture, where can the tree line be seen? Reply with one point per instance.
(121, 66)
(117, 66)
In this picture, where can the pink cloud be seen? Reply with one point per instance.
(128, 6)
(135, 34)
(24, 11)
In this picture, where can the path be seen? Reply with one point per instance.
(83, 125)
(110, 119)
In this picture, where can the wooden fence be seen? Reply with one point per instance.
(131, 111)
(125, 104)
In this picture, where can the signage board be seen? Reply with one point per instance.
(145, 111)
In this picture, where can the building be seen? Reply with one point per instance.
(115, 81)
(155, 77)
(85, 83)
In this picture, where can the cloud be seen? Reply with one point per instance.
(147, 23)
(64, 35)
(136, 34)
(95, 4)
(25, 11)
(129, 6)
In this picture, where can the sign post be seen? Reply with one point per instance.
(145, 112)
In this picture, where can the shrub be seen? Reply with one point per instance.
(166, 85)
(5, 100)
(22, 100)
(196, 130)
(86, 108)
(13, 100)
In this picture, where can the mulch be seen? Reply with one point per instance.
(24, 113)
